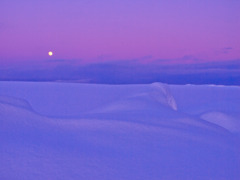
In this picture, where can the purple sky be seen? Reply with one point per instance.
(119, 29)
(92, 31)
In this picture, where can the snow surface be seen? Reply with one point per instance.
(87, 131)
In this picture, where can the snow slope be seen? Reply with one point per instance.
(87, 131)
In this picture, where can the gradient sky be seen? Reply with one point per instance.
(93, 30)
(121, 41)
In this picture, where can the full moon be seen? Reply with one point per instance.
(50, 53)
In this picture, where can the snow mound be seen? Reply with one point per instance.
(15, 102)
(156, 96)
(224, 120)
(119, 132)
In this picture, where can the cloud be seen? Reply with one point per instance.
(189, 57)
(226, 50)
(56, 61)
(130, 71)
(61, 61)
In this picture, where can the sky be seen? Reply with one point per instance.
(147, 32)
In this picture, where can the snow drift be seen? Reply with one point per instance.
(86, 131)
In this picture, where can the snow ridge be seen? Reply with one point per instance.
(167, 99)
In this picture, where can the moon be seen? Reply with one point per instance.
(50, 53)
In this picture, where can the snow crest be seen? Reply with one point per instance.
(18, 102)
(162, 94)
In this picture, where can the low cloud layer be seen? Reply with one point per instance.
(126, 72)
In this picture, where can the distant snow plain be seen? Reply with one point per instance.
(156, 131)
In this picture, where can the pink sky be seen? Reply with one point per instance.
(119, 30)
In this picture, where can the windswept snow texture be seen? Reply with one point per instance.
(67, 131)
